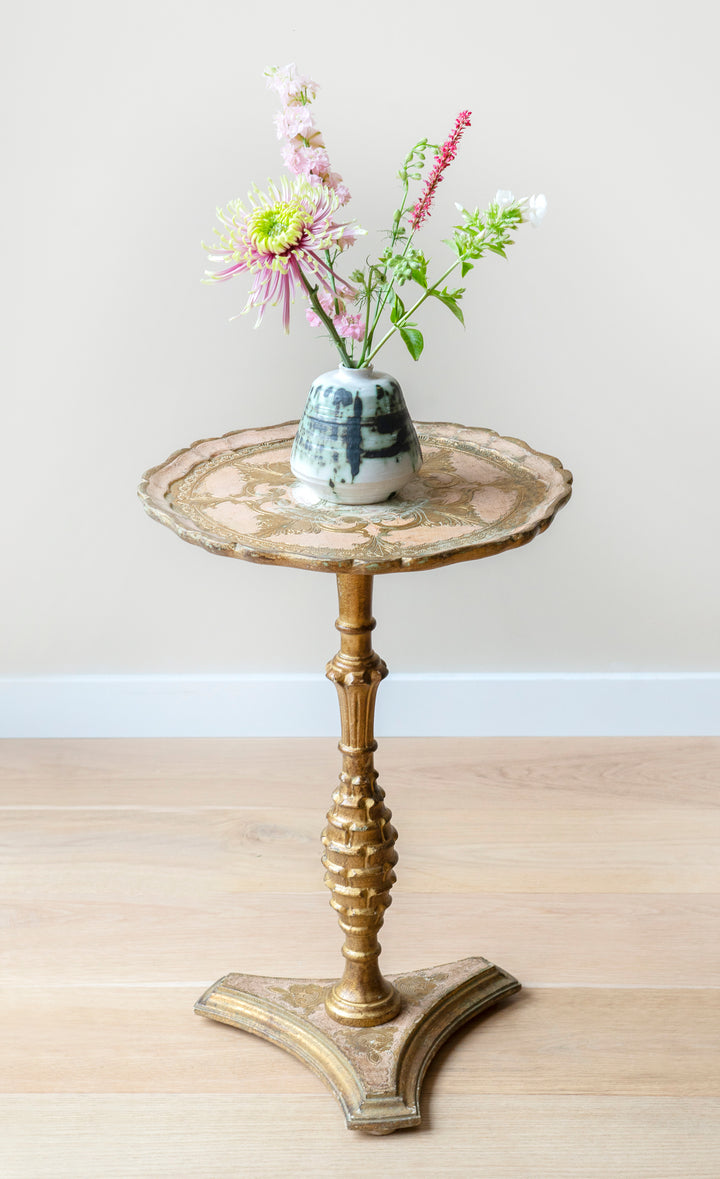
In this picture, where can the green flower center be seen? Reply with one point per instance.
(276, 229)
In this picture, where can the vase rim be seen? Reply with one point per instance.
(368, 368)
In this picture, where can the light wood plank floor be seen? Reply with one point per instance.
(135, 873)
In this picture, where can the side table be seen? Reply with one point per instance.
(369, 1037)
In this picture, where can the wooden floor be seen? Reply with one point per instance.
(135, 873)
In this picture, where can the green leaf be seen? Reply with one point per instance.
(413, 341)
(419, 270)
(465, 268)
(397, 310)
(451, 304)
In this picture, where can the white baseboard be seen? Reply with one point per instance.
(451, 705)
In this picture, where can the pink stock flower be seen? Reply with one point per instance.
(290, 85)
(334, 305)
(342, 192)
(304, 160)
(304, 152)
(351, 327)
(328, 301)
(278, 240)
(293, 121)
(445, 156)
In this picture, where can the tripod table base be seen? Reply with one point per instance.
(375, 1072)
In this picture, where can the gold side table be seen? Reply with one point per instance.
(370, 1038)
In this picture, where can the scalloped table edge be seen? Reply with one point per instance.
(190, 533)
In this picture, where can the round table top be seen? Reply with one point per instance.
(477, 494)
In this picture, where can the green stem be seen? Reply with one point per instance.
(321, 313)
(368, 304)
(401, 322)
(367, 341)
(331, 262)
(384, 298)
(368, 350)
(409, 162)
(381, 305)
(330, 259)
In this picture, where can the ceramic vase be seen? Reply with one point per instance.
(355, 443)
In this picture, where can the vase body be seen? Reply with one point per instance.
(355, 443)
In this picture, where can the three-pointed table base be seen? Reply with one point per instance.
(375, 1072)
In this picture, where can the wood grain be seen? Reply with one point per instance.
(553, 772)
(182, 851)
(262, 1136)
(135, 873)
(574, 1040)
(550, 939)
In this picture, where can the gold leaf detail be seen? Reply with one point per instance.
(417, 986)
(373, 1042)
(306, 996)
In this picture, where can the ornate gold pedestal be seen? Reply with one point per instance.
(376, 1072)
(369, 1037)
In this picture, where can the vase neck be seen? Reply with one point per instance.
(368, 371)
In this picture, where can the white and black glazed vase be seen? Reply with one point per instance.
(355, 443)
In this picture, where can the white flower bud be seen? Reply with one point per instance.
(504, 198)
(537, 207)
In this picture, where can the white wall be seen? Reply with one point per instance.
(597, 341)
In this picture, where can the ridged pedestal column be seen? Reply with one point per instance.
(359, 839)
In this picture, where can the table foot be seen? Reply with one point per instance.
(375, 1072)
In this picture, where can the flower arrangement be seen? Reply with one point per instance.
(288, 239)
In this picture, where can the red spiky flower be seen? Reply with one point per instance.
(445, 156)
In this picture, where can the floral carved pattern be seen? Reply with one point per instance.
(418, 986)
(305, 996)
(477, 493)
(373, 1042)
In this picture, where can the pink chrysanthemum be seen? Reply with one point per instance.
(445, 156)
(280, 238)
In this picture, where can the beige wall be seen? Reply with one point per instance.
(597, 341)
